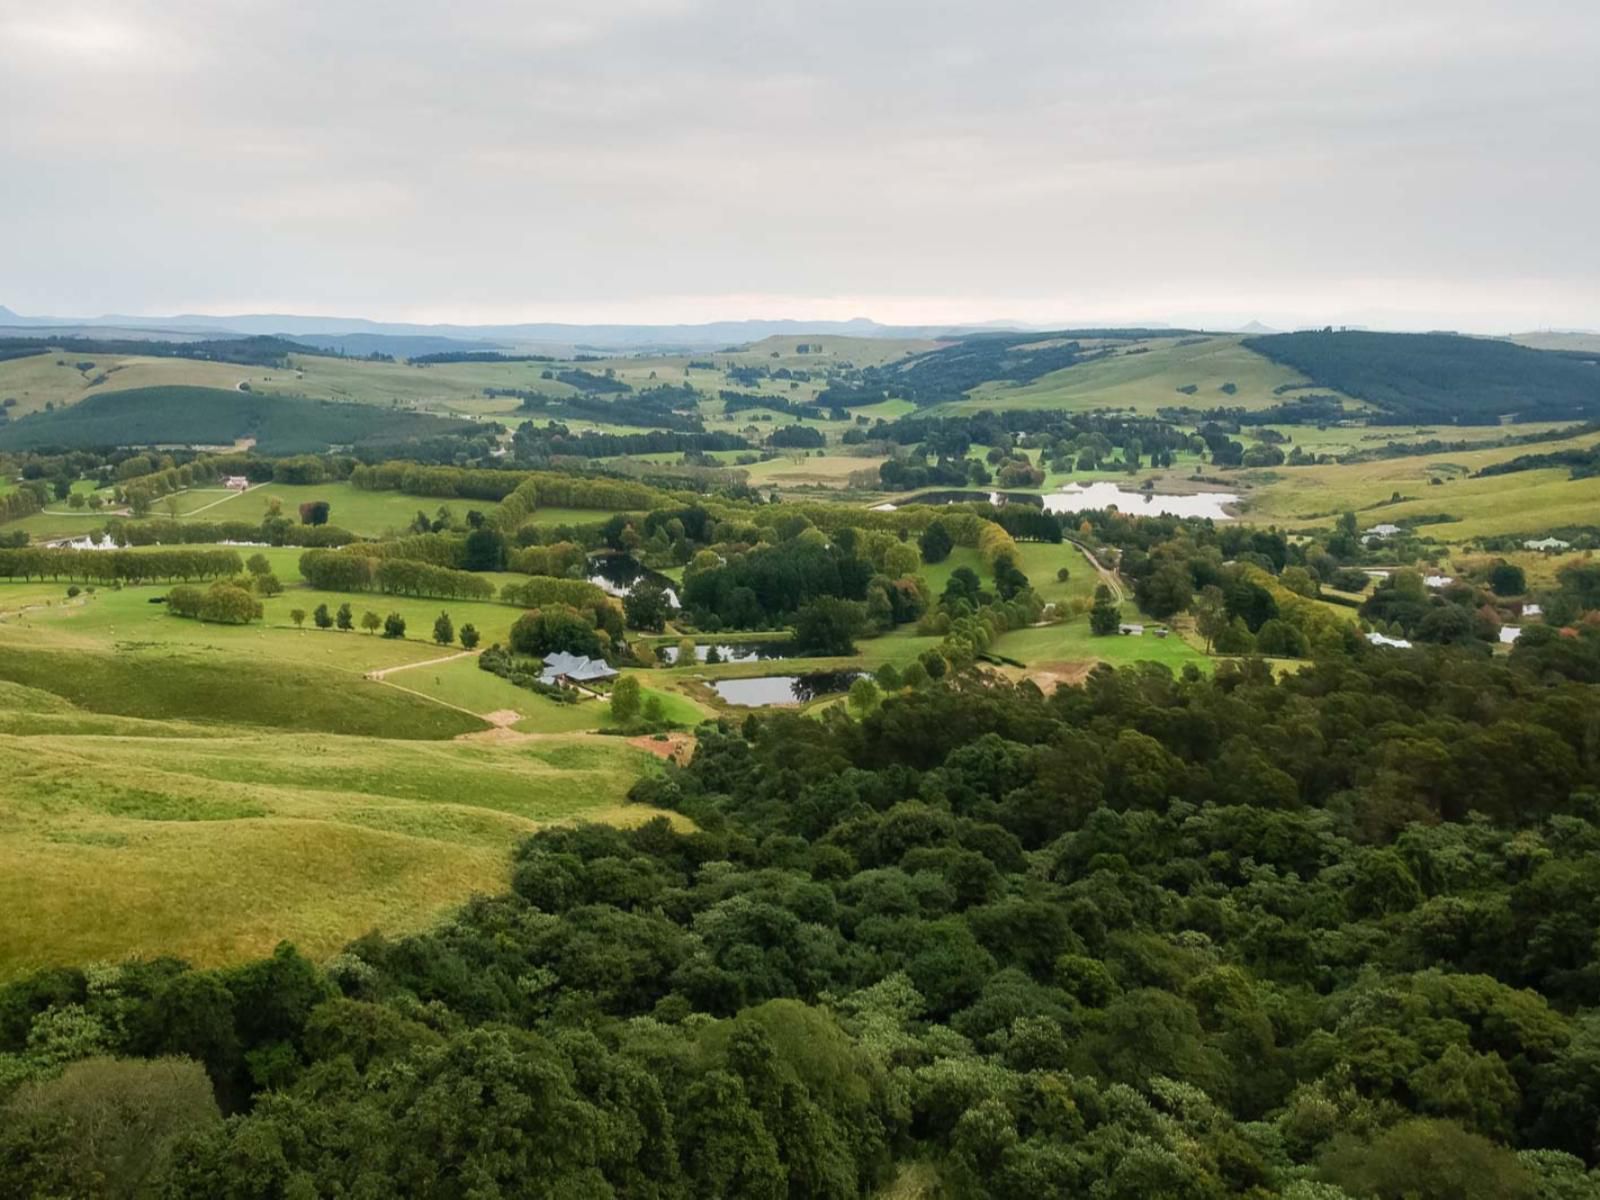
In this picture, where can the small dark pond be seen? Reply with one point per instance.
(784, 689)
(619, 574)
(732, 652)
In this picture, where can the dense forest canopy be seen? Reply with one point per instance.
(215, 416)
(1322, 937)
(1441, 377)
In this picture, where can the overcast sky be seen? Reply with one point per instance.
(1427, 163)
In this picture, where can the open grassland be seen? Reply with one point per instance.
(214, 848)
(55, 378)
(1526, 501)
(1144, 382)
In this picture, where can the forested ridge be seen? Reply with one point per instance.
(1326, 936)
(1441, 376)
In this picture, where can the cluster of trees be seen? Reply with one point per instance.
(533, 593)
(915, 471)
(560, 627)
(767, 584)
(225, 603)
(125, 566)
(655, 408)
(533, 443)
(1326, 937)
(349, 571)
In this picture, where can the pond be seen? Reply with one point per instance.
(784, 689)
(619, 574)
(1076, 497)
(732, 652)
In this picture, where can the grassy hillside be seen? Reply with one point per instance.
(1148, 375)
(214, 848)
(211, 416)
(166, 682)
(1442, 377)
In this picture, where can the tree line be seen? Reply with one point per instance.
(348, 571)
(118, 566)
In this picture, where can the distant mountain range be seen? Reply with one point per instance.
(350, 333)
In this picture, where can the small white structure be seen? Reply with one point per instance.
(1378, 639)
(1438, 581)
(1533, 610)
(1509, 634)
(1383, 531)
(236, 483)
(1131, 630)
(1549, 543)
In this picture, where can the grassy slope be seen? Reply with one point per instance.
(173, 787)
(1148, 381)
(216, 848)
(1525, 501)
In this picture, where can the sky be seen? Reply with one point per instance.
(1426, 164)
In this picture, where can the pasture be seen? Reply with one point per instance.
(1143, 377)
(1526, 501)
(214, 848)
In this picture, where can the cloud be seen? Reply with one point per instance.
(666, 156)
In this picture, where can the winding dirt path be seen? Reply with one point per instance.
(384, 673)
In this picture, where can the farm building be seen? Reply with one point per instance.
(236, 483)
(1549, 543)
(567, 670)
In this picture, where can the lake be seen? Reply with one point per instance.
(1075, 497)
(784, 689)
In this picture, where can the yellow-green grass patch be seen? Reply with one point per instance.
(215, 849)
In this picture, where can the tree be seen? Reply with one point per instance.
(370, 621)
(322, 617)
(443, 631)
(268, 585)
(485, 550)
(229, 605)
(555, 627)
(1166, 591)
(828, 626)
(103, 1127)
(1427, 1160)
(626, 699)
(257, 564)
(314, 512)
(1008, 578)
(469, 637)
(1210, 613)
(1507, 579)
(394, 626)
(864, 696)
(1105, 617)
(935, 543)
(646, 606)
(345, 617)
(298, 616)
